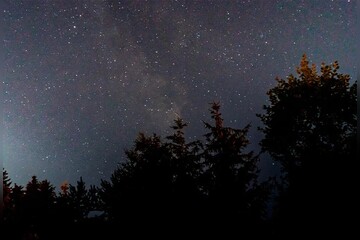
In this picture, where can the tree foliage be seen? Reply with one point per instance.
(211, 184)
(310, 128)
(202, 181)
(231, 172)
(155, 178)
(310, 115)
(6, 189)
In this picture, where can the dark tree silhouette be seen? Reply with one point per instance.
(6, 190)
(66, 212)
(73, 205)
(38, 200)
(12, 223)
(159, 182)
(32, 208)
(187, 169)
(230, 178)
(95, 202)
(16, 199)
(188, 184)
(310, 128)
(140, 190)
(6, 198)
(79, 199)
(36, 212)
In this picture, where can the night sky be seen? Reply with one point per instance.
(80, 79)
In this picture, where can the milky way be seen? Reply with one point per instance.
(81, 78)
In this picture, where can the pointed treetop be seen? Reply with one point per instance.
(216, 115)
(179, 124)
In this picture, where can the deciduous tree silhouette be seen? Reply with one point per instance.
(310, 128)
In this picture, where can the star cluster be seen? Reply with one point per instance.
(81, 78)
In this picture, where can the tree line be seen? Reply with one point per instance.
(211, 186)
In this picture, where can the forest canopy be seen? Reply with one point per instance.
(309, 126)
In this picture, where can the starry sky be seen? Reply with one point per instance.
(80, 79)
